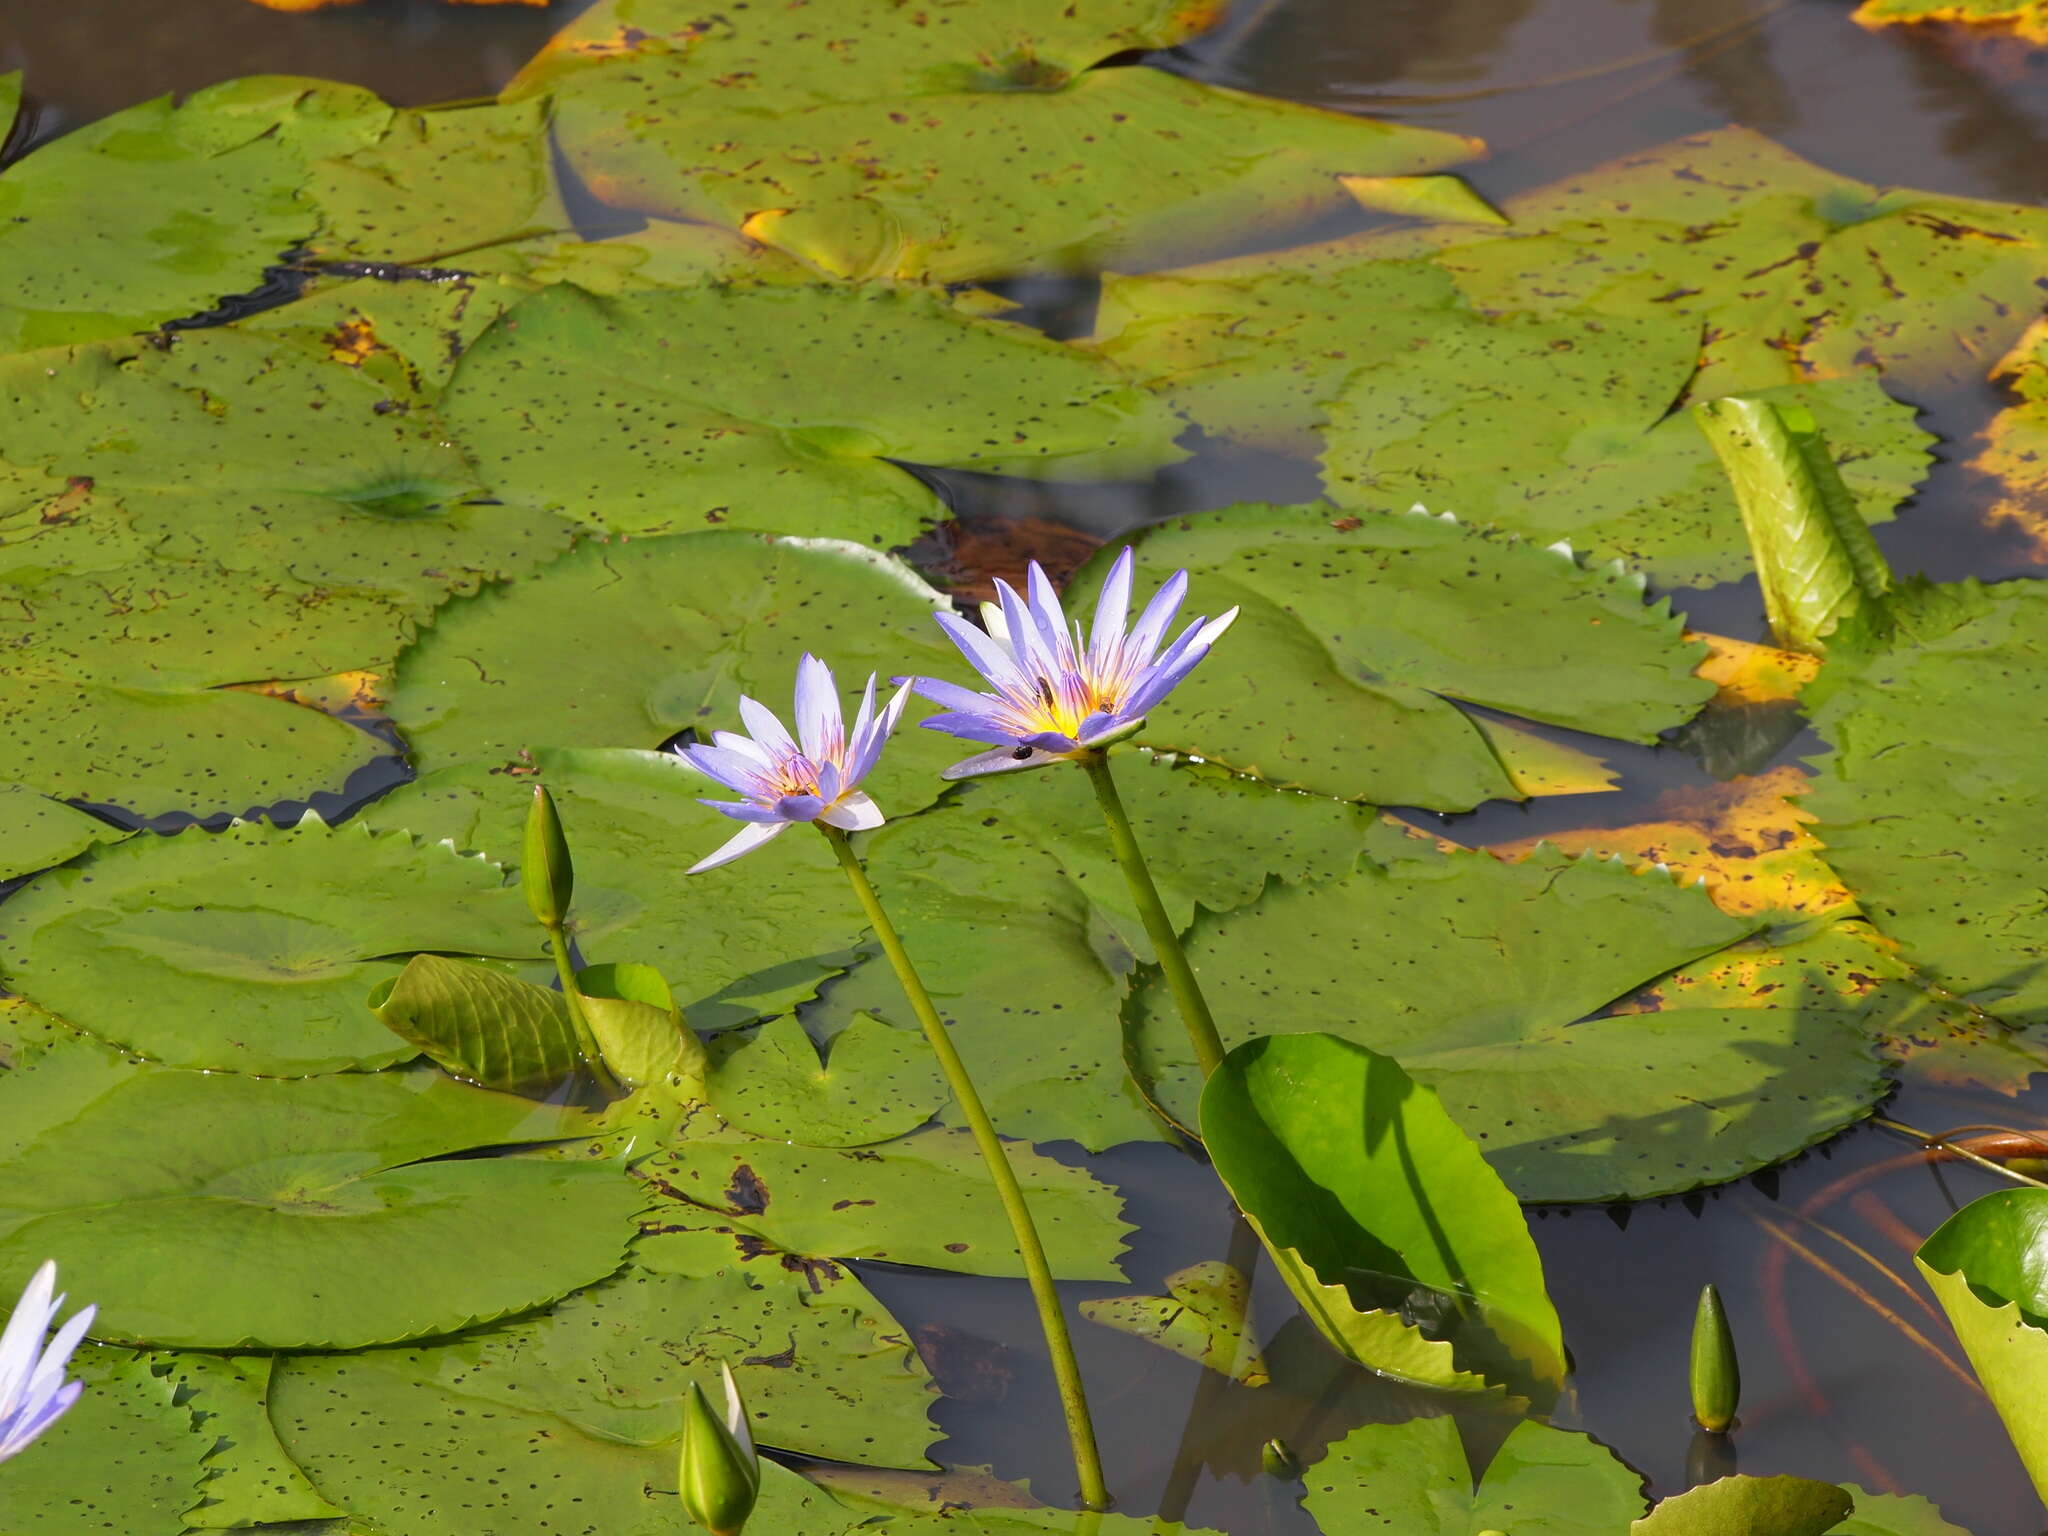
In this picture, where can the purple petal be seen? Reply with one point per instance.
(49, 1373)
(864, 753)
(1002, 760)
(743, 810)
(1045, 608)
(1033, 652)
(1112, 609)
(727, 767)
(1163, 680)
(18, 1435)
(829, 783)
(746, 746)
(864, 716)
(971, 728)
(1101, 723)
(952, 695)
(854, 813)
(988, 658)
(1056, 742)
(820, 725)
(23, 1340)
(1158, 615)
(799, 807)
(745, 841)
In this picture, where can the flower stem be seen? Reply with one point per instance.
(572, 999)
(1066, 1368)
(1173, 960)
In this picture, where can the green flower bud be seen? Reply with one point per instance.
(719, 1475)
(544, 869)
(1716, 1377)
(1279, 1461)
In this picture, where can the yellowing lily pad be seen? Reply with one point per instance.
(1201, 1317)
(2025, 18)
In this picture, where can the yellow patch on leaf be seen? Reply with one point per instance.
(1745, 838)
(2016, 441)
(326, 5)
(2027, 19)
(1746, 673)
(358, 691)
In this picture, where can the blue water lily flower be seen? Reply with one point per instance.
(812, 776)
(33, 1391)
(1059, 693)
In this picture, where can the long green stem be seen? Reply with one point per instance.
(1931, 1143)
(1065, 1368)
(572, 999)
(1173, 960)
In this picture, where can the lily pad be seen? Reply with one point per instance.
(252, 949)
(481, 1024)
(686, 627)
(1011, 902)
(2026, 18)
(1490, 982)
(209, 194)
(1201, 1317)
(1358, 632)
(946, 152)
(779, 407)
(1339, 1155)
(2016, 440)
(250, 1480)
(310, 1213)
(877, 1083)
(125, 1458)
(1988, 1267)
(1939, 831)
(1413, 1479)
(38, 833)
(1739, 1506)
(1893, 1514)
(924, 1199)
(1786, 273)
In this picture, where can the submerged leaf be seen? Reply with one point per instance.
(1744, 1506)
(1201, 1316)
(481, 1024)
(1336, 1153)
(316, 1213)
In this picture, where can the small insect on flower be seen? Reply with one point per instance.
(813, 776)
(1059, 693)
(33, 1391)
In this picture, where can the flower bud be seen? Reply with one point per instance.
(1279, 1461)
(544, 868)
(719, 1475)
(1716, 1377)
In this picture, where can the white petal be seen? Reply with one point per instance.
(766, 728)
(736, 1413)
(853, 813)
(1112, 609)
(820, 725)
(746, 840)
(23, 1340)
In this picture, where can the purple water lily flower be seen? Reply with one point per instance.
(1059, 693)
(813, 776)
(33, 1391)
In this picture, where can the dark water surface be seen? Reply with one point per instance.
(1834, 1386)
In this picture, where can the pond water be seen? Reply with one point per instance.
(1807, 1255)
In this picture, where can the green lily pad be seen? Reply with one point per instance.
(823, 1367)
(780, 411)
(876, 1083)
(1413, 1479)
(750, 939)
(252, 949)
(1356, 633)
(1988, 1267)
(125, 1458)
(39, 833)
(946, 152)
(923, 1199)
(1201, 1317)
(1012, 905)
(346, 480)
(209, 196)
(309, 1213)
(481, 1024)
(250, 1480)
(1741, 1506)
(1490, 982)
(1339, 1155)
(686, 626)
(1939, 831)
(1893, 1514)
(1785, 273)
(476, 1464)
